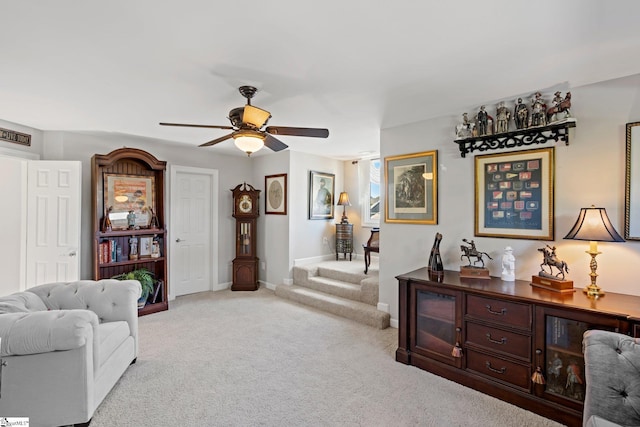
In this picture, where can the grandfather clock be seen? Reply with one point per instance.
(245, 265)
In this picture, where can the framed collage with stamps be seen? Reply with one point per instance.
(514, 194)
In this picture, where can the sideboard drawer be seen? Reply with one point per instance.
(497, 340)
(500, 369)
(495, 310)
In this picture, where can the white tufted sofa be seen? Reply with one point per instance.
(64, 346)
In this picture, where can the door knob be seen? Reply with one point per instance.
(72, 253)
(178, 240)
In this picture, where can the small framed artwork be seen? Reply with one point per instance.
(321, 190)
(411, 183)
(146, 247)
(124, 194)
(514, 194)
(275, 202)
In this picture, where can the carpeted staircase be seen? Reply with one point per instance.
(339, 288)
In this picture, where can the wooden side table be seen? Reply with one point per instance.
(344, 240)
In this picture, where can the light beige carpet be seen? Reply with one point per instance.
(253, 359)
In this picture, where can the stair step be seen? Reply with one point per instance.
(334, 287)
(358, 311)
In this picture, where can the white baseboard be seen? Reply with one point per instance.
(268, 285)
(393, 323)
(221, 286)
(383, 307)
(287, 282)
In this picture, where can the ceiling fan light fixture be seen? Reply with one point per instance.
(255, 116)
(249, 141)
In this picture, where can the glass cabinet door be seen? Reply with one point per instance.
(437, 317)
(244, 235)
(563, 361)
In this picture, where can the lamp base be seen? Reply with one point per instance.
(593, 291)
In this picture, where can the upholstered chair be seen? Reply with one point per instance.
(612, 374)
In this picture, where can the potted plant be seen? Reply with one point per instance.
(146, 279)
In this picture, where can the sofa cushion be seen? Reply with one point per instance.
(21, 302)
(111, 335)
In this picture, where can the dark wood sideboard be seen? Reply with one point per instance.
(506, 331)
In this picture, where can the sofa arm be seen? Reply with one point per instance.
(45, 331)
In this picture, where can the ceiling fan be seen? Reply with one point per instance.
(247, 125)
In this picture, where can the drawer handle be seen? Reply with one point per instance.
(503, 340)
(497, 371)
(497, 313)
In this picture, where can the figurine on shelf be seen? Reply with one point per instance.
(521, 115)
(133, 248)
(538, 111)
(551, 260)
(502, 118)
(464, 129)
(106, 222)
(508, 265)
(483, 121)
(560, 105)
(154, 223)
(131, 220)
(155, 248)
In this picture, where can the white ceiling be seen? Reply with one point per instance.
(352, 66)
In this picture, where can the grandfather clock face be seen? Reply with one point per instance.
(245, 203)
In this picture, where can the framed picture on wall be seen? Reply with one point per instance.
(127, 193)
(411, 183)
(321, 190)
(514, 194)
(275, 202)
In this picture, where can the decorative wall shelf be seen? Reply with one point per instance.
(557, 131)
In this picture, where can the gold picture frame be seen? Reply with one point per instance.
(411, 185)
(126, 193)
(514, 194)
(275, 201)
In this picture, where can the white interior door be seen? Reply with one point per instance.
(193, 231)
(53, 222)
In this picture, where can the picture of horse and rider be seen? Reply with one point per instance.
(410, 192)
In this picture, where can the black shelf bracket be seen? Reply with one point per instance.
(557, 131)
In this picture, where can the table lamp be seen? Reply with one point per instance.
(343, 201)
(593, 224)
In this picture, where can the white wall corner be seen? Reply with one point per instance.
(221, 286)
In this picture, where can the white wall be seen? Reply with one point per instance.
(273, 230)
(588, 171)
(13, 243)
(305, 235)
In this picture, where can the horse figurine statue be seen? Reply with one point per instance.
(471, 252)
(551, 260)
(561, 106)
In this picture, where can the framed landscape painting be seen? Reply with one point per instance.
(411, 183)
(514, 194)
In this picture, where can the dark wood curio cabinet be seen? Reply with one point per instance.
(129, 231)
(506, 330)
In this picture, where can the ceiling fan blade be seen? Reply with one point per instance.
(255, 116)
(312, 132)
(215, 141)
(197, 126)
(274, 143)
